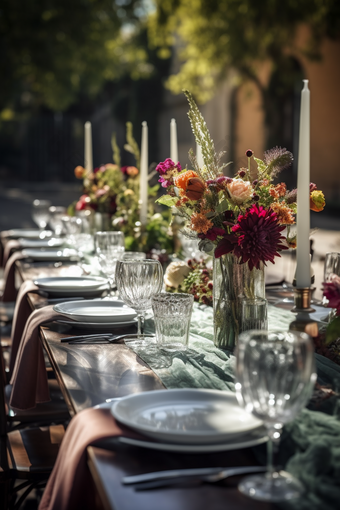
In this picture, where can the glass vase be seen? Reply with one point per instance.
(232, 281)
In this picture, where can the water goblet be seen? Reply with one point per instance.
(109, 248)
(40, 212)
(275, 375)
(137, 282)
(56, 215)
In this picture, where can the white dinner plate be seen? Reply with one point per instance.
(96, 310)
(98, 326)
(73, 285)
(254, 438)
(185, 416)
(53, 242)
(15, 233)
(47, 255)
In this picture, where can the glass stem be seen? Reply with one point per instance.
(140, 318)
(274, 435)
(270, 465)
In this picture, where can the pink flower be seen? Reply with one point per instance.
(240, 191)
(255, 238)
(167, 170)
(331, 290)
(83, 202)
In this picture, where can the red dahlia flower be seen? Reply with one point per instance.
(331, 290)
(256, 237)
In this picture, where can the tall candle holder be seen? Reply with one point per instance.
(302, 307)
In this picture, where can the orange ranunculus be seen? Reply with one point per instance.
(317, 201)
(132, 171)
(182, 179)
(79, 172)
(195, 188)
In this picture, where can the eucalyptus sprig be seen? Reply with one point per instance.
(131, 145)
(115, 150)
(202, 137)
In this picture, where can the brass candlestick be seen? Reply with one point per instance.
(302, 307)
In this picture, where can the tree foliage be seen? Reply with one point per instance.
(52, 51)
(215, 35)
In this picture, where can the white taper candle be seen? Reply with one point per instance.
(88, 161)
(303, 194)
(173, 141)
(144, 164)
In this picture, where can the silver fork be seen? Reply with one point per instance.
(180, 476)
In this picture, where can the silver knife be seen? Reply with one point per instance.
(179, 473)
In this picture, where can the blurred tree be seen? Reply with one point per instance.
(215, 35)
(53, 51)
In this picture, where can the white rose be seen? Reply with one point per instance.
(240, 191)
(175, 274)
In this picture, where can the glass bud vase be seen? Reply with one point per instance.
(232, 282)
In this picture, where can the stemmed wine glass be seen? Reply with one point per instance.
(137, 281)
(109, 248)
(275, 375)
(40, 212)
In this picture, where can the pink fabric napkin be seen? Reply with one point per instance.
(70, 485)
(29, 377)
(12, 244)
(10, 292)
(22, 311)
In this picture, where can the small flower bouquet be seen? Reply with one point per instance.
(244, 215)
(328, 341)
(113, 190)
(192, 277)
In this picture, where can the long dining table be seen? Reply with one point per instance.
(92, 374)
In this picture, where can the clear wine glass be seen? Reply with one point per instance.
(40, 212)
(275, 375)
(109, 248)
(137, 281)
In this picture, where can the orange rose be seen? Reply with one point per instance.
(240, 191)
(195, 188)
(79, 172)
(182, 179)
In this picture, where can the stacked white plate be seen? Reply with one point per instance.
(53, 242)
(15, 233)
(81, 286)
(189, 420)
(50, 255)
(96, 313)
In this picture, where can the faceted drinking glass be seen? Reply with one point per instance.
(109, 248)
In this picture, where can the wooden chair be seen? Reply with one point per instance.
(27, 456)
(54, 411)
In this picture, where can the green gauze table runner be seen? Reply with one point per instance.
(310, 447)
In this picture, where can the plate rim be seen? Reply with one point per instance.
(88, 303)
(233, 444)
(104, 281)
(49, 253)
(152, 432)
(97, 324)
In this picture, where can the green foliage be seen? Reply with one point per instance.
(52, 53)
(215, 35)
(131, 145)
(333, 331)
(115, 150)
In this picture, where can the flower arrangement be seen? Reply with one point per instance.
(192, 277)
(244, 215)
(328, 341)
(114, 190)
